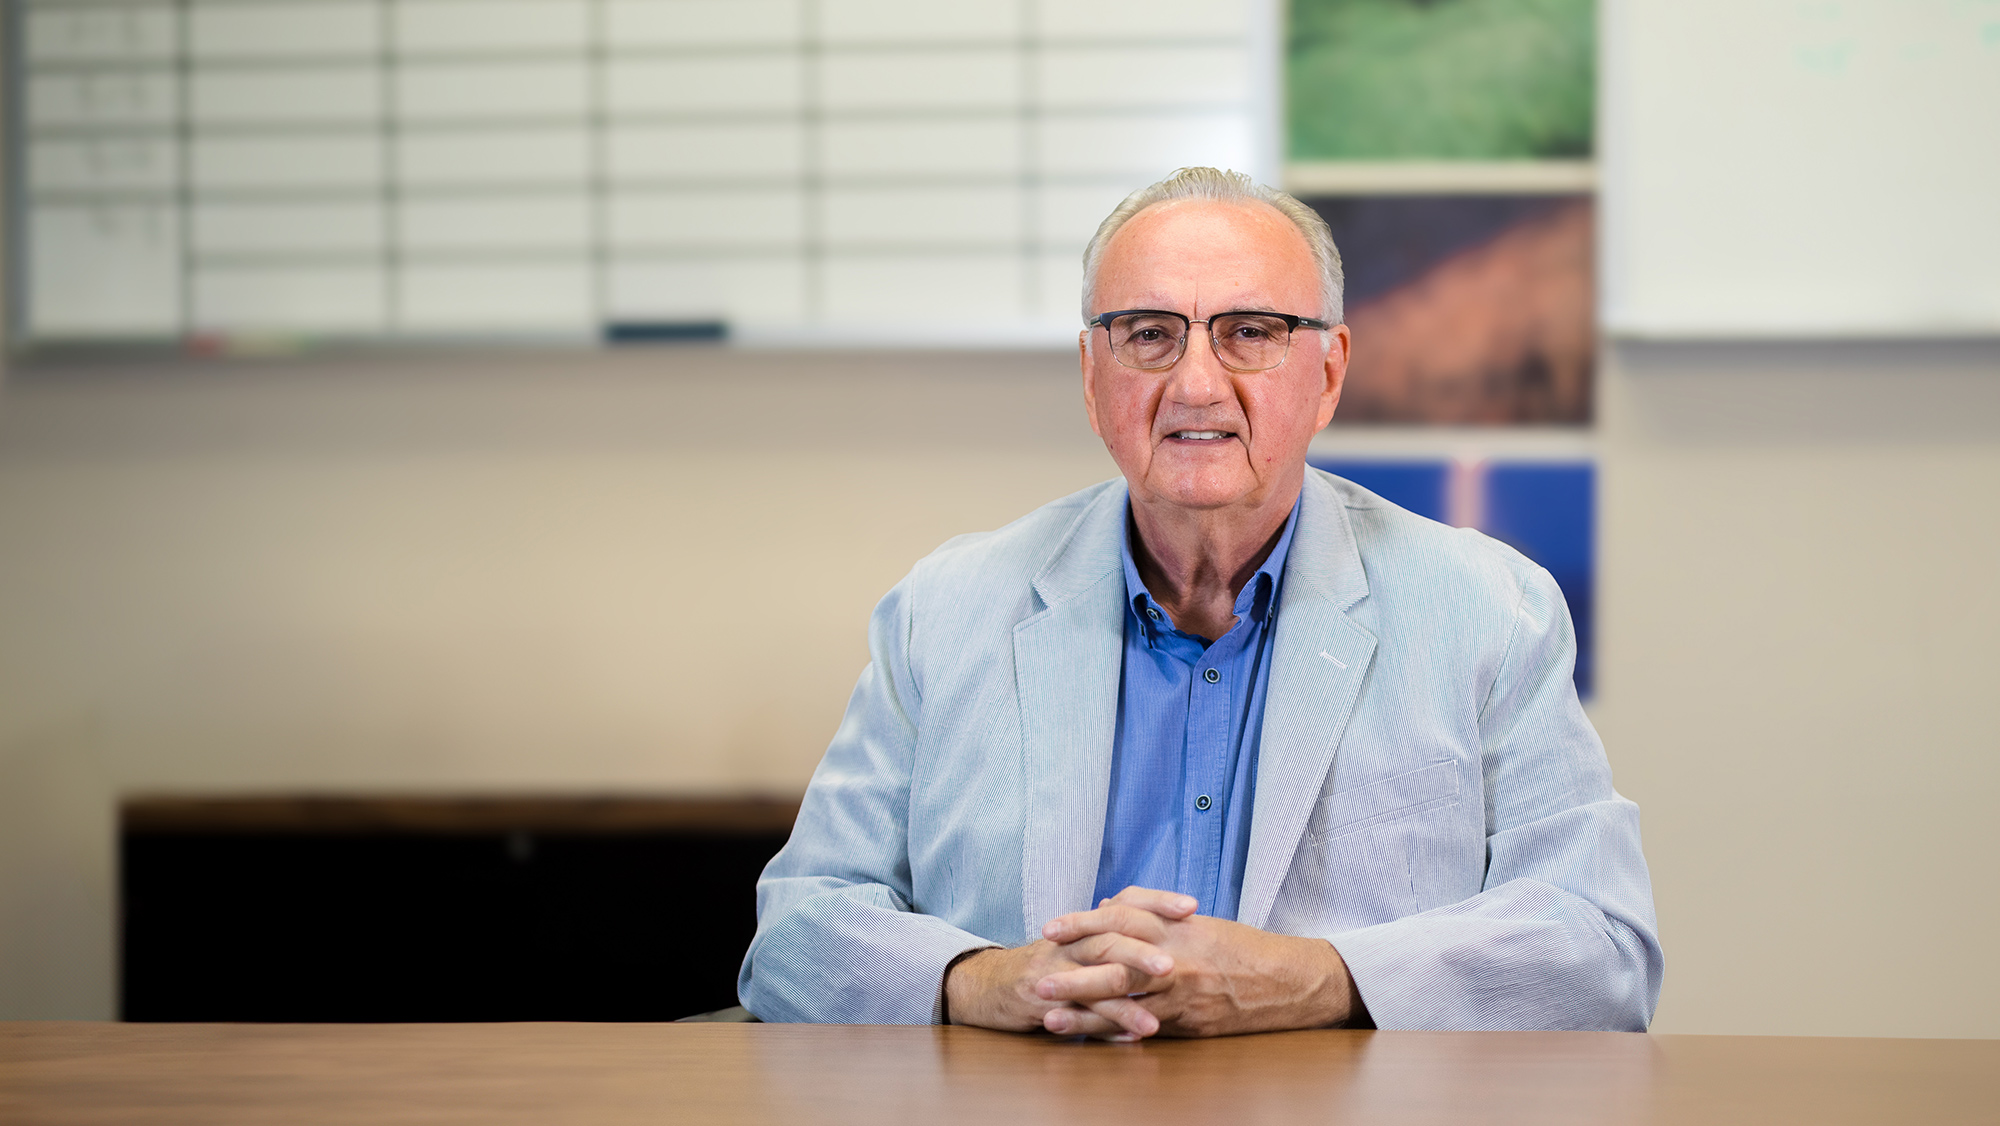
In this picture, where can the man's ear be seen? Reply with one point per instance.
(1339, 342)
(1089, 380)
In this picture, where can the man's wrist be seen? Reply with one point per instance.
(1354, 1012)
(1335, 1000)
(945, 986)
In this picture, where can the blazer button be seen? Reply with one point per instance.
(1202, 803)
(1211, 676)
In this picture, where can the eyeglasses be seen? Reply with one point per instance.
(1155, 340)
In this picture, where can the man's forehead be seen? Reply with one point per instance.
(1246, 247)
(1180, 220)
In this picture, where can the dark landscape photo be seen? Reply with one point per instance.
(1466, 309)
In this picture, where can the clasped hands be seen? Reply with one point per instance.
(1144, 964)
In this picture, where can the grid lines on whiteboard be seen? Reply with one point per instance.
(481, 167)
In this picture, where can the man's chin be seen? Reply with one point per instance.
(1203, 491)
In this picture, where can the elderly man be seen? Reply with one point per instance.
(1316, 760)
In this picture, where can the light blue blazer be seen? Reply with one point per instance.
(1429, 795)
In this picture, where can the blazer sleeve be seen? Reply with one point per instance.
(837, 942)
(1563, 935)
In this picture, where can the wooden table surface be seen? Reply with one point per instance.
(752, 1073)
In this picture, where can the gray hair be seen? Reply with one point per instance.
(1223, 187)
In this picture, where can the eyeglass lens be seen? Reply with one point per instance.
(1243, 341)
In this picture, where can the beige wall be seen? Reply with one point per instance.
(1799, 551)
(652, 570)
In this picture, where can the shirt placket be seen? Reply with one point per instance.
(1204, 800)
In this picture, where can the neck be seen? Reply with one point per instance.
(1196, 561)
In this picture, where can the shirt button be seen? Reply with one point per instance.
(1152, 613)
(1202, 802)
(1211, 676)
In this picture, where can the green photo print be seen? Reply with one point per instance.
(1440, 79)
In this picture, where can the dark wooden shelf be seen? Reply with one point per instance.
(504, 813)
(358, 907)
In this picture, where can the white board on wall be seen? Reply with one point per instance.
(881, 171)
(1800, 168)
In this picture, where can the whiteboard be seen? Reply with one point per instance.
(1800, 168)
(902, 171)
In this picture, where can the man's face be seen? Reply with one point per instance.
(1199, 435)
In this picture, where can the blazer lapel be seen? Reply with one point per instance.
(1318, 661)
(1067, 660)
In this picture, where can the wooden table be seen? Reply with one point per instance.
(749, 1073)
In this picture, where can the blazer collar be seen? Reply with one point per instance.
(1093, 547)
(1325, 561)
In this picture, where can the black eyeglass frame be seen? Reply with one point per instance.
(1293, 323)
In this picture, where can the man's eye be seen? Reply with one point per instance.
(1251, 332)
(1147, 335)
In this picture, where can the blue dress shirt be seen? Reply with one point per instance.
(1184, 767)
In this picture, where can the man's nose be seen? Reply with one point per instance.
(1199, 378)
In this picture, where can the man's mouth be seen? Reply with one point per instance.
(1201, 435)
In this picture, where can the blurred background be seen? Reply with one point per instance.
(449, 448)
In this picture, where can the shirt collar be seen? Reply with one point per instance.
(1254, 601)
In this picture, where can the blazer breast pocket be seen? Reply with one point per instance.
(1367, 853)
(1392, 799)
